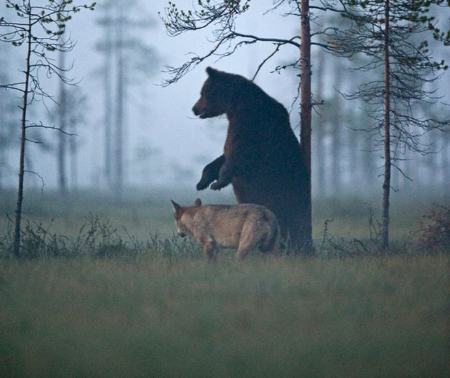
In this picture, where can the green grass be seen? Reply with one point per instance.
(143, 214)
(112, 300)
(361, 317)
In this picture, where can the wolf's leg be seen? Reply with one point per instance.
(210, 173)
(249, 241)
(209, 247)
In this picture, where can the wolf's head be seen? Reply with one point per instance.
(183, 216)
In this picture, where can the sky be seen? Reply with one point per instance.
(160, 119)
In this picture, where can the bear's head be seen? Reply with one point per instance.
(215, 96)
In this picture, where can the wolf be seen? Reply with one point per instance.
(244, 226)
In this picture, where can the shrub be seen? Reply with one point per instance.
(434, 231)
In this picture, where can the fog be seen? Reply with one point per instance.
(164, 143)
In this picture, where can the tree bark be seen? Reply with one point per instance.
(305, 115)
(387, 131)
(336, 134)
(120, 105)
(108, 92)
(24, 108)
(62, 181)
(73, 151)
(320, 131)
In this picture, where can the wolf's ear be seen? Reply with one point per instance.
(212, 72)
(176, 207)
(198, 202)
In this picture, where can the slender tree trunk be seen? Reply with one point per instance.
(387, 131)
(108, 93)
(446, 160)
(353, 150)
(5, 125)
(73, 158)
(336, 133)
(320, 130)
(24, 108)
(305, 114)
(62, 180)
(120, 103)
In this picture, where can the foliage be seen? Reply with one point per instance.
(412, 67)
(434, 233)
(95, 238)
(41, 26)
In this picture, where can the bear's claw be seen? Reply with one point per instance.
(216, 186)
(202, 185)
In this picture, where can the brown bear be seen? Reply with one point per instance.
(261, 157)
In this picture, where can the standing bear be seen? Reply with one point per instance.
(261, 156)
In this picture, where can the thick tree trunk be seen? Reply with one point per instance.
(387, 132)
(305, 115)
(24, 108)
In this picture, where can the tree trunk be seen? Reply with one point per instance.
(120, 103)
(446, 161)
(368, 160)
(62, 181)
(73, 158)
(108, 92)
(387, 132)
(305, 115)
(319, 153)
(336, 133)
(24, 108)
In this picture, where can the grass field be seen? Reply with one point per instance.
(361, 317)
(158, 309)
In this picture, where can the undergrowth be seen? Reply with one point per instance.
(99, 238)
(96, 238)
(434, 231)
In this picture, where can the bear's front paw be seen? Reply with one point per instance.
(202, 184)
(216, 185)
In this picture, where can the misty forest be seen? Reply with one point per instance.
(224, 188)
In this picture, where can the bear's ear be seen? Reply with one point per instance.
(212, 72)
(176, 207)
(198, 202)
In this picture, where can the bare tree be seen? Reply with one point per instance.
(105, 45)
(8, 111)
(125, 56)
(37, 26)
(319, 125)
(75, 118)
(62, 124)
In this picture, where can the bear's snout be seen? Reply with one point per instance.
(197, 108)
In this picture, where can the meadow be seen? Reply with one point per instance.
(122, 296)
